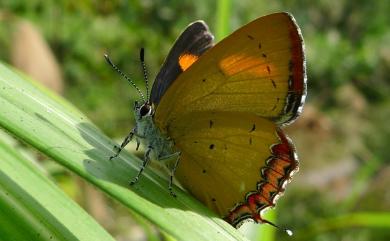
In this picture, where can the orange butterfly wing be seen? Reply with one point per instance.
(260, 69)
(253, 78)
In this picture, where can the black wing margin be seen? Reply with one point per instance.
(194, 40)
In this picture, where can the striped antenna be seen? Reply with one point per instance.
(124, 76)
(141, 56)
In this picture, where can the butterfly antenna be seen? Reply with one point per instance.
(288, 231)
(141, 56)
(124, 76)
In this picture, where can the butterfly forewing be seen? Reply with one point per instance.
(194, 41)
(258, 69)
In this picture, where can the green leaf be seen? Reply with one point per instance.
(33, 208)
(61, 132)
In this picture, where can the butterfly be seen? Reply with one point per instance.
(215, 113)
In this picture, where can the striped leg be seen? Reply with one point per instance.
(144, 164)
(173, 170)
(126, 141)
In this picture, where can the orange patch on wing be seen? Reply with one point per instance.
(273, 177)
(279, 165)
(186, 60)
(237, 63)
(268, 191)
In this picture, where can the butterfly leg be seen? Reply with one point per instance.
(144, 164)
(173, 170)
(173, 173)
(126, 141)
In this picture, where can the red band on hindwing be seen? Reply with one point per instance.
(278, 169)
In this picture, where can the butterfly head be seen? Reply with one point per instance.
(143, 111)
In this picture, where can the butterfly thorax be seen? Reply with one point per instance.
(149, 134)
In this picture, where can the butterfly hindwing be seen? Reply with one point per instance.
(226, 157)
(192, 43)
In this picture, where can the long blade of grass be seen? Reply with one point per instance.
(222, 19)
(33, 208)
(61, 132)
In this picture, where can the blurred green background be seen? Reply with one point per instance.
(342, 137)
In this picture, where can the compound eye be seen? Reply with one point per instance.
(145, 109)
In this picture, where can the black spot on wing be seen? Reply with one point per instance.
(211, 146)
(250, 37)
(277, 102)
(253, 128)
(268, 69)
(273, 83)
